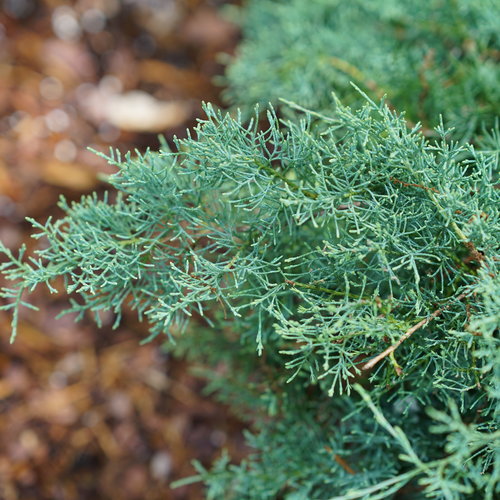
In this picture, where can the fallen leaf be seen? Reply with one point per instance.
(138, 111)
(68, 175)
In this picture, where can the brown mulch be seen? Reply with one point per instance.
(87, 412)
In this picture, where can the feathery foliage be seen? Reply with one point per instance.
(438, 57)
(343, 267)
(325, 239)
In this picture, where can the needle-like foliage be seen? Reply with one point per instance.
(340, 267)
(347, 249)
(432, 58)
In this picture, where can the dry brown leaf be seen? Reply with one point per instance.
(67, 61)
(68, 175)
(60, 405)
(167, 75)
(32, 338)
(138, 111)
(7, 185)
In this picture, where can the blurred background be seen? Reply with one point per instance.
(87, 412)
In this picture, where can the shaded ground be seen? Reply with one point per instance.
(86, 412)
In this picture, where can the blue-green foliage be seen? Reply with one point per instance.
(318, 243)
(438, 57)
(343, 269)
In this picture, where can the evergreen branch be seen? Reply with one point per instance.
(288, 182)
(356, 74)
(303, 243)
(411, 184)
(476, 255)
(390, 350)
(322, 289)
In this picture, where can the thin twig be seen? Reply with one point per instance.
(322, 289)
(411, 184)
(408, 334)
(341, 461)
(475, 253)
(355, 73)
(288, 182)
(344, 464)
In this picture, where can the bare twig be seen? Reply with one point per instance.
(341, 461)
(344, 464)
(322, 289)
(408, 334)
(411, 184)
(356, 74)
